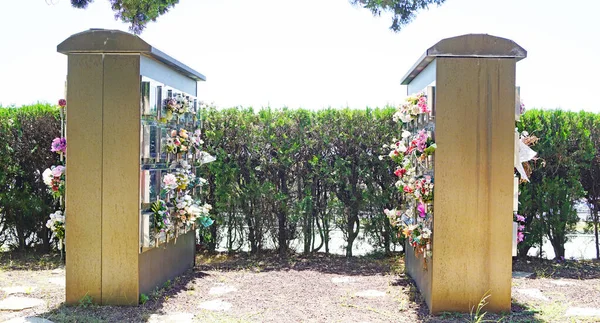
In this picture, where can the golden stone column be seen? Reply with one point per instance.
(474, 102)
(104, 259)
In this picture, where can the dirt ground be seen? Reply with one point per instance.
(316, 288)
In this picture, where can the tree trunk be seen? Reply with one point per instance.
(281, 214)
(212, 244)
(352, 216)
(595, 218)
(386, 236)
(251, 233)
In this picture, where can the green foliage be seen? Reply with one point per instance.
(288, 174)
(135, 12)
(139, 12)
(25, 137)
(403, 11)
(590, 173)
(476, 315)
(86, 301)
(144, 298)
(548, 200)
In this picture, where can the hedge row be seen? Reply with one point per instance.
(25, 137)
(284, 176)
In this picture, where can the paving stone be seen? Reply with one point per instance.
(171, 318)
(533, 293)
(18, 289)
(221, 289)
(58, 271)
(215, 305)
(370, 293)
(57, 281)
(562, 283)
(14, 303)
(28, 319)
(342, 280)
(582, 311)
(521, 274)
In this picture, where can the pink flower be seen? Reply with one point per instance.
(170, 181)
(59, 145)
(62, 103)
(520, 218)
(400, 172)
(421, 141)
(58, 171)
(173, 133)
(520, 236)
(421, 208)
(521, 227)
(423, 105)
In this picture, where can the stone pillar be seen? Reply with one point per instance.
(104, 259)
(474, 103)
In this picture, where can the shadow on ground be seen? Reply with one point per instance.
(86, 311)
(323, 263)
(571, 269)
(182, 293)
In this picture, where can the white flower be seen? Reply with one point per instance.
(406, 118)
(381, 157)
(401, 147)
(47, 177)
(406, 134)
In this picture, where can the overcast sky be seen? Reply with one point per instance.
(311, 53)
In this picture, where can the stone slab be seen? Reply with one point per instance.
(14, 303)
(18, 289)
(583, 311)
(171, 318)
(370, 293)
(342, 280)
(60, 281)
(221, 289)
(521, 274)
(28, 319)
(216, 305)
(533, 293)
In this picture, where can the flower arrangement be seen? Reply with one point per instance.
(414, 180)
(161, 216)
(54, 178)
(520, 227)
(59, 145)
(56, 224)
(176, 106)
(411, 108)
(178, 142)
(180, 207)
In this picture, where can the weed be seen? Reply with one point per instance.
(478, 316)
(86, 301)
(143, 298)
(167, 284)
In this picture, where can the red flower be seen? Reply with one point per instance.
(400, 172)
(62, 103)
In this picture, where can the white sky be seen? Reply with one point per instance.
(311, 53)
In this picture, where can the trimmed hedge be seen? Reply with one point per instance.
(25, 136)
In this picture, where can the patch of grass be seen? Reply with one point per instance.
(69, 314)
(551, 312)
(476, 315)
(143, 298)
(14, 260)
(86, 301)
